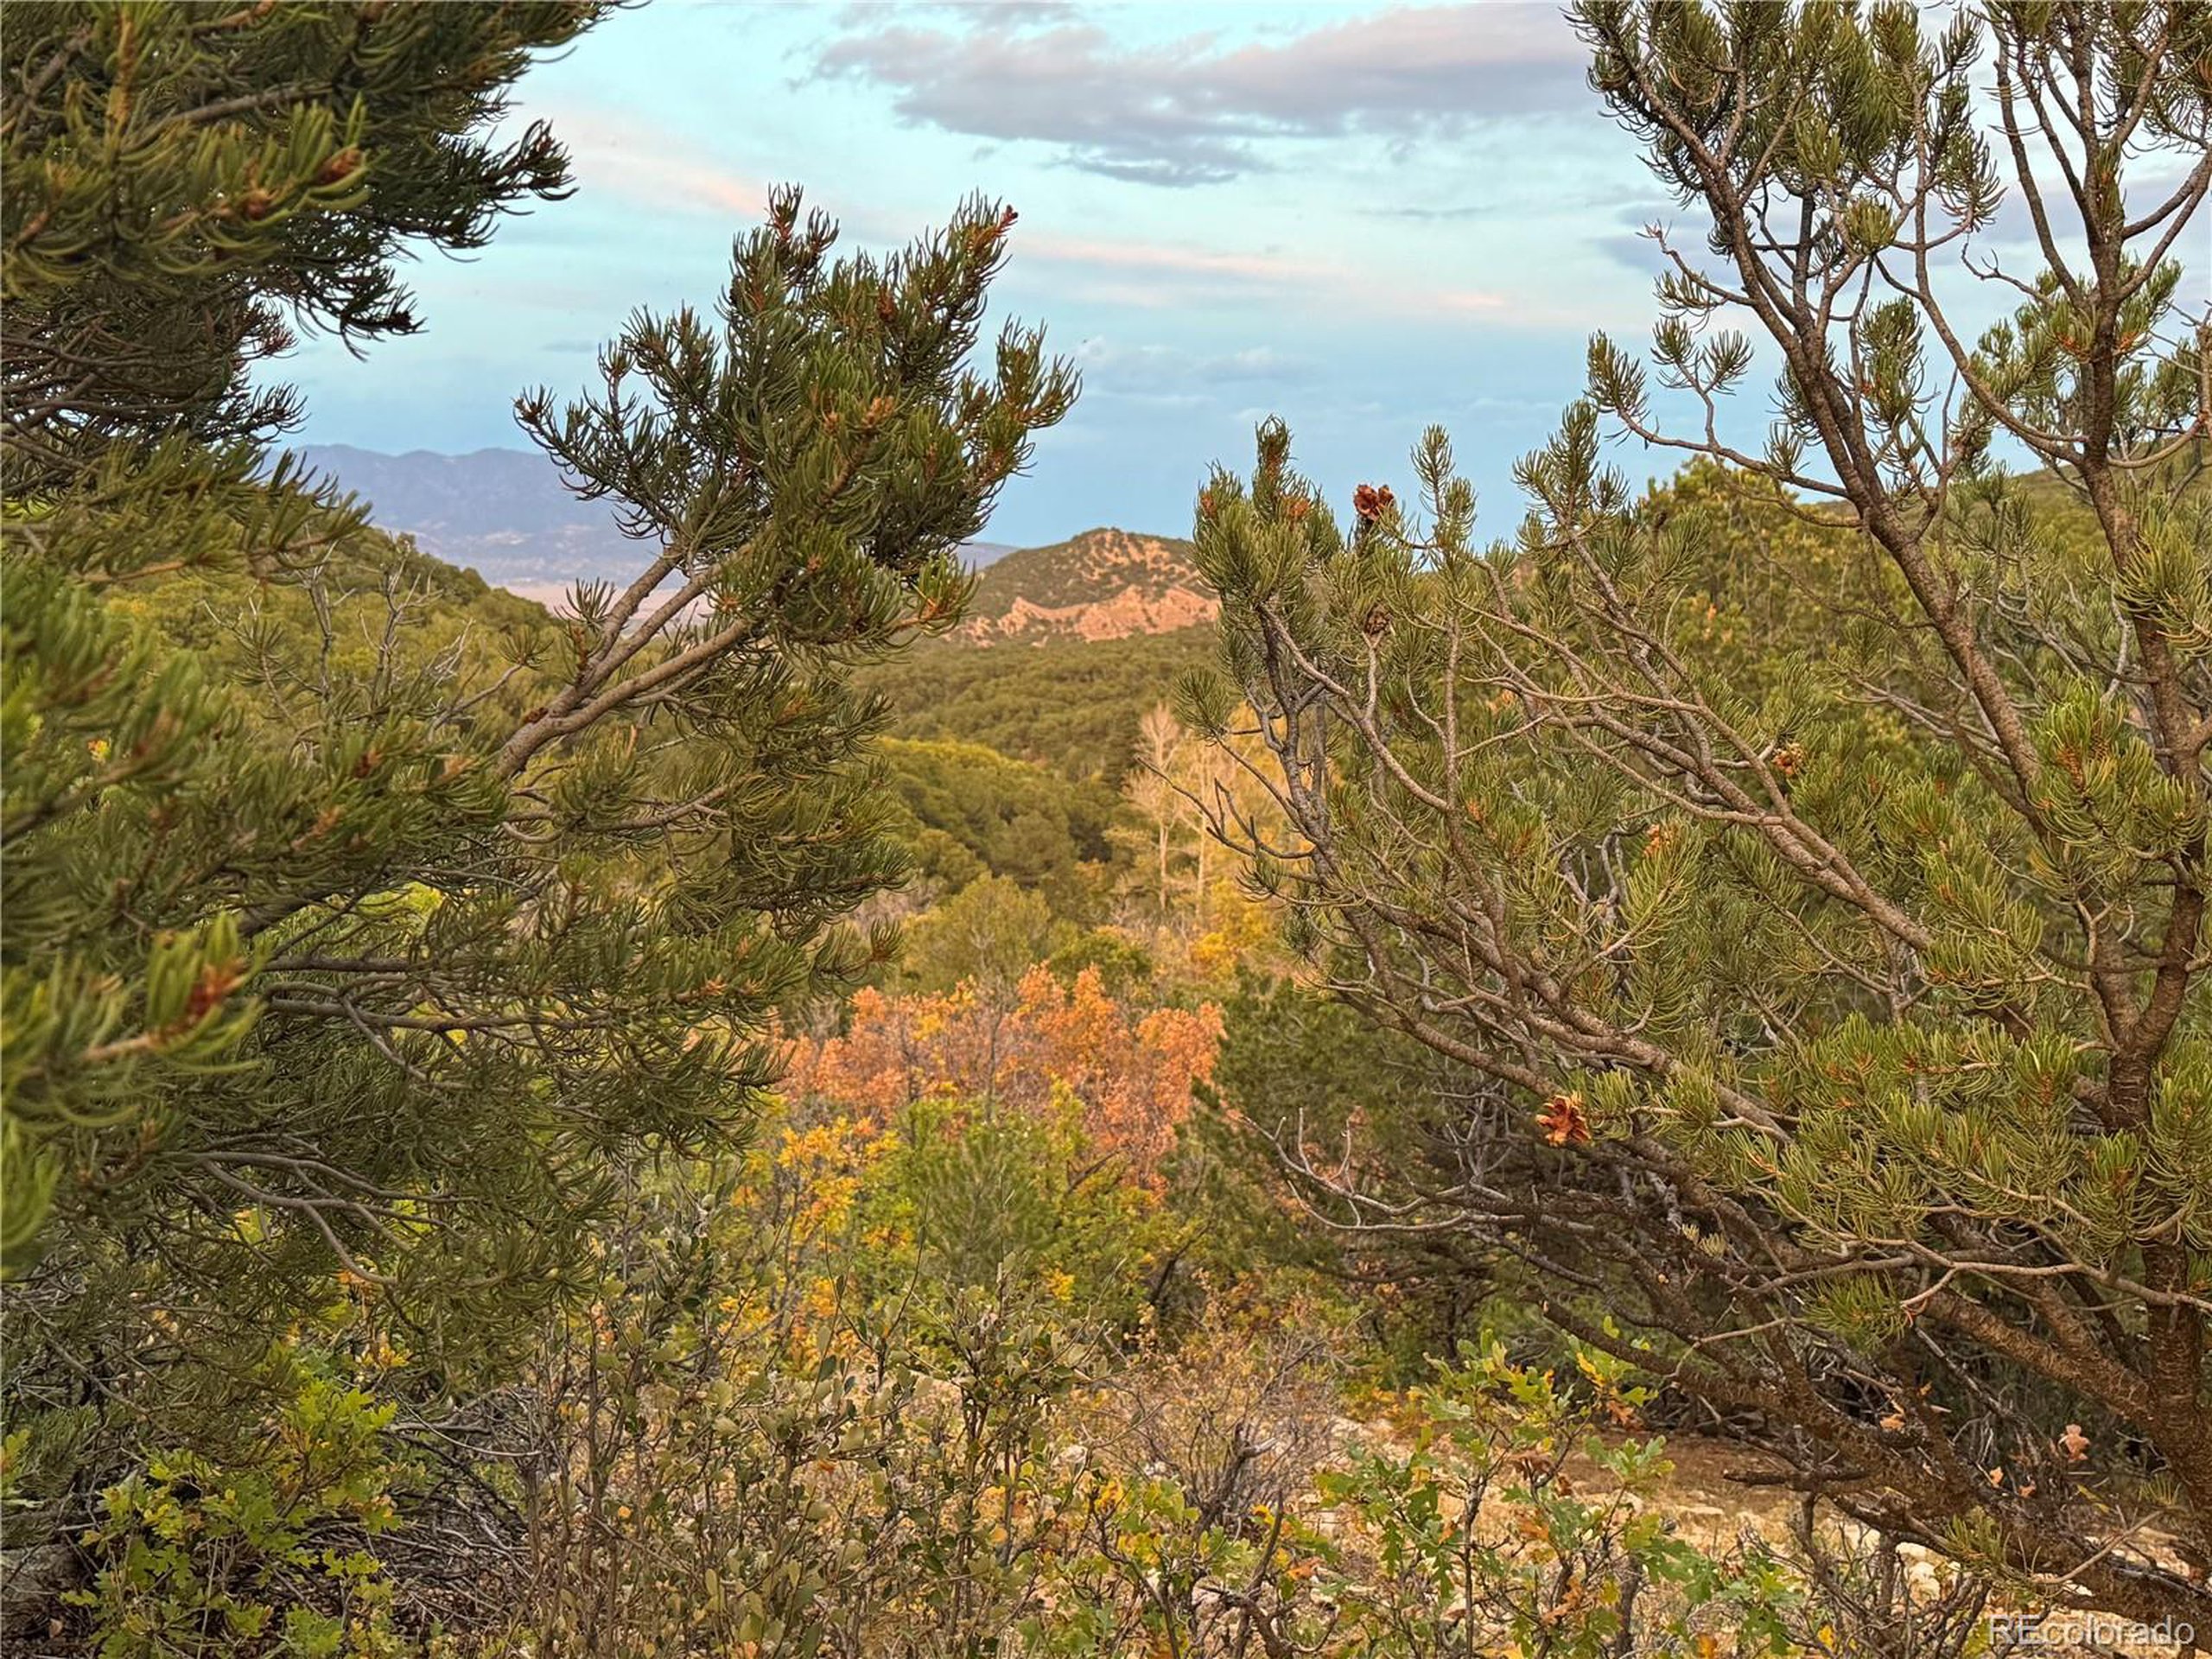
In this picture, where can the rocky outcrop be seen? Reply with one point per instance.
(1103, 584)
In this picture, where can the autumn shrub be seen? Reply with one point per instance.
(865, 1393)
(715, 1493)
(806, 1412)
(977, 1196)
(1132, 1069)
(1518, 1514)
(1497, 1512)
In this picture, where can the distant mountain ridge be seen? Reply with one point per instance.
(504, 513)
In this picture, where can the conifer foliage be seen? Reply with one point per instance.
(1848, 1009)
(359, 918)
(188, 185)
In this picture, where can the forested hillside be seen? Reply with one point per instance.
(1073, 705)
(1628, 1080)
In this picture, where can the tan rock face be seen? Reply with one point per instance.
(1105, 584)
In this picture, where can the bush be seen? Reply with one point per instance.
(270, 1552)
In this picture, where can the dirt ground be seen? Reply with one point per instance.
(1712, 1508)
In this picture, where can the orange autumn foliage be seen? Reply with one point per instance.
(1131, 1070)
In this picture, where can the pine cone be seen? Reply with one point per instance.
(1372, 501)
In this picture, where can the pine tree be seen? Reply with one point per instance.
(360, 923)
(1836, 957)
(185, 186)
(188, 185)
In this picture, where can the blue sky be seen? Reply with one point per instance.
(1366, 219)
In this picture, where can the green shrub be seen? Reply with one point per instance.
(268, 1554)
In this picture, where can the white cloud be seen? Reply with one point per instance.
(1196, 110)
